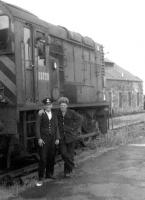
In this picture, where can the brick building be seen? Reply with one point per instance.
(124, 91)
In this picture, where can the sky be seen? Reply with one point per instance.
(119, 25)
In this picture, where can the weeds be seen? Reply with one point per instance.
(120, 136)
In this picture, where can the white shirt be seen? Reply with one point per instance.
(63, 114)
(49, 114)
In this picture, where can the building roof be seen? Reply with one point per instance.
(115, 72)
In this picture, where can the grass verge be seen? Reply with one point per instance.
(114, 138)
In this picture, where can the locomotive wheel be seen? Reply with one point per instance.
(18, 181)
(88, 124)
(7, 180)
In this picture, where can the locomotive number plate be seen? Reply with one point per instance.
(44, 76)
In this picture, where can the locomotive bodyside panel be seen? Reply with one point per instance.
(86, 67)
(83, 73)
(8, 120)
(18, 28)
(32, 64)
(8, 79)
(86, 94)
(79, 64)
(99, 73)
(93, 69)
(27, 51)
(41, 66)
(57, 63)
(69, 72)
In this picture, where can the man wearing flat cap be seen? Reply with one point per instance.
(69, 123)
(48, 137)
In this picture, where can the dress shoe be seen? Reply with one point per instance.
(67, 175)
(39, 183)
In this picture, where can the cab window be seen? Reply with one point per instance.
(40, 40)
(27, 47)
(4, 32)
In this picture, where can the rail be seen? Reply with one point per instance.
(9, 176)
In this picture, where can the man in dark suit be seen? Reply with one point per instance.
(69, 123)
(48, 137)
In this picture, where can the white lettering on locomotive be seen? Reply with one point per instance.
(44, 76)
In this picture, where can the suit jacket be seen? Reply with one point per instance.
(69, 125)
(46, 128)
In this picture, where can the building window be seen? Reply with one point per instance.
(138, 99)
(129, 98)
(120, 99)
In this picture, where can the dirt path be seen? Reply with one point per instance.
(117, 174)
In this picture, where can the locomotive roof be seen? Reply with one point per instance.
(57, 31)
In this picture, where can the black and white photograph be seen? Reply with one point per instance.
(72, 100)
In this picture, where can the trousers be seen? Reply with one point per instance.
(67, 153)
(47, 158)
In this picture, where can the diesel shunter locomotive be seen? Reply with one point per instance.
(38, 60)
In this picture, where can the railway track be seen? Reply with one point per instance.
(126, 120)
(9, 177)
